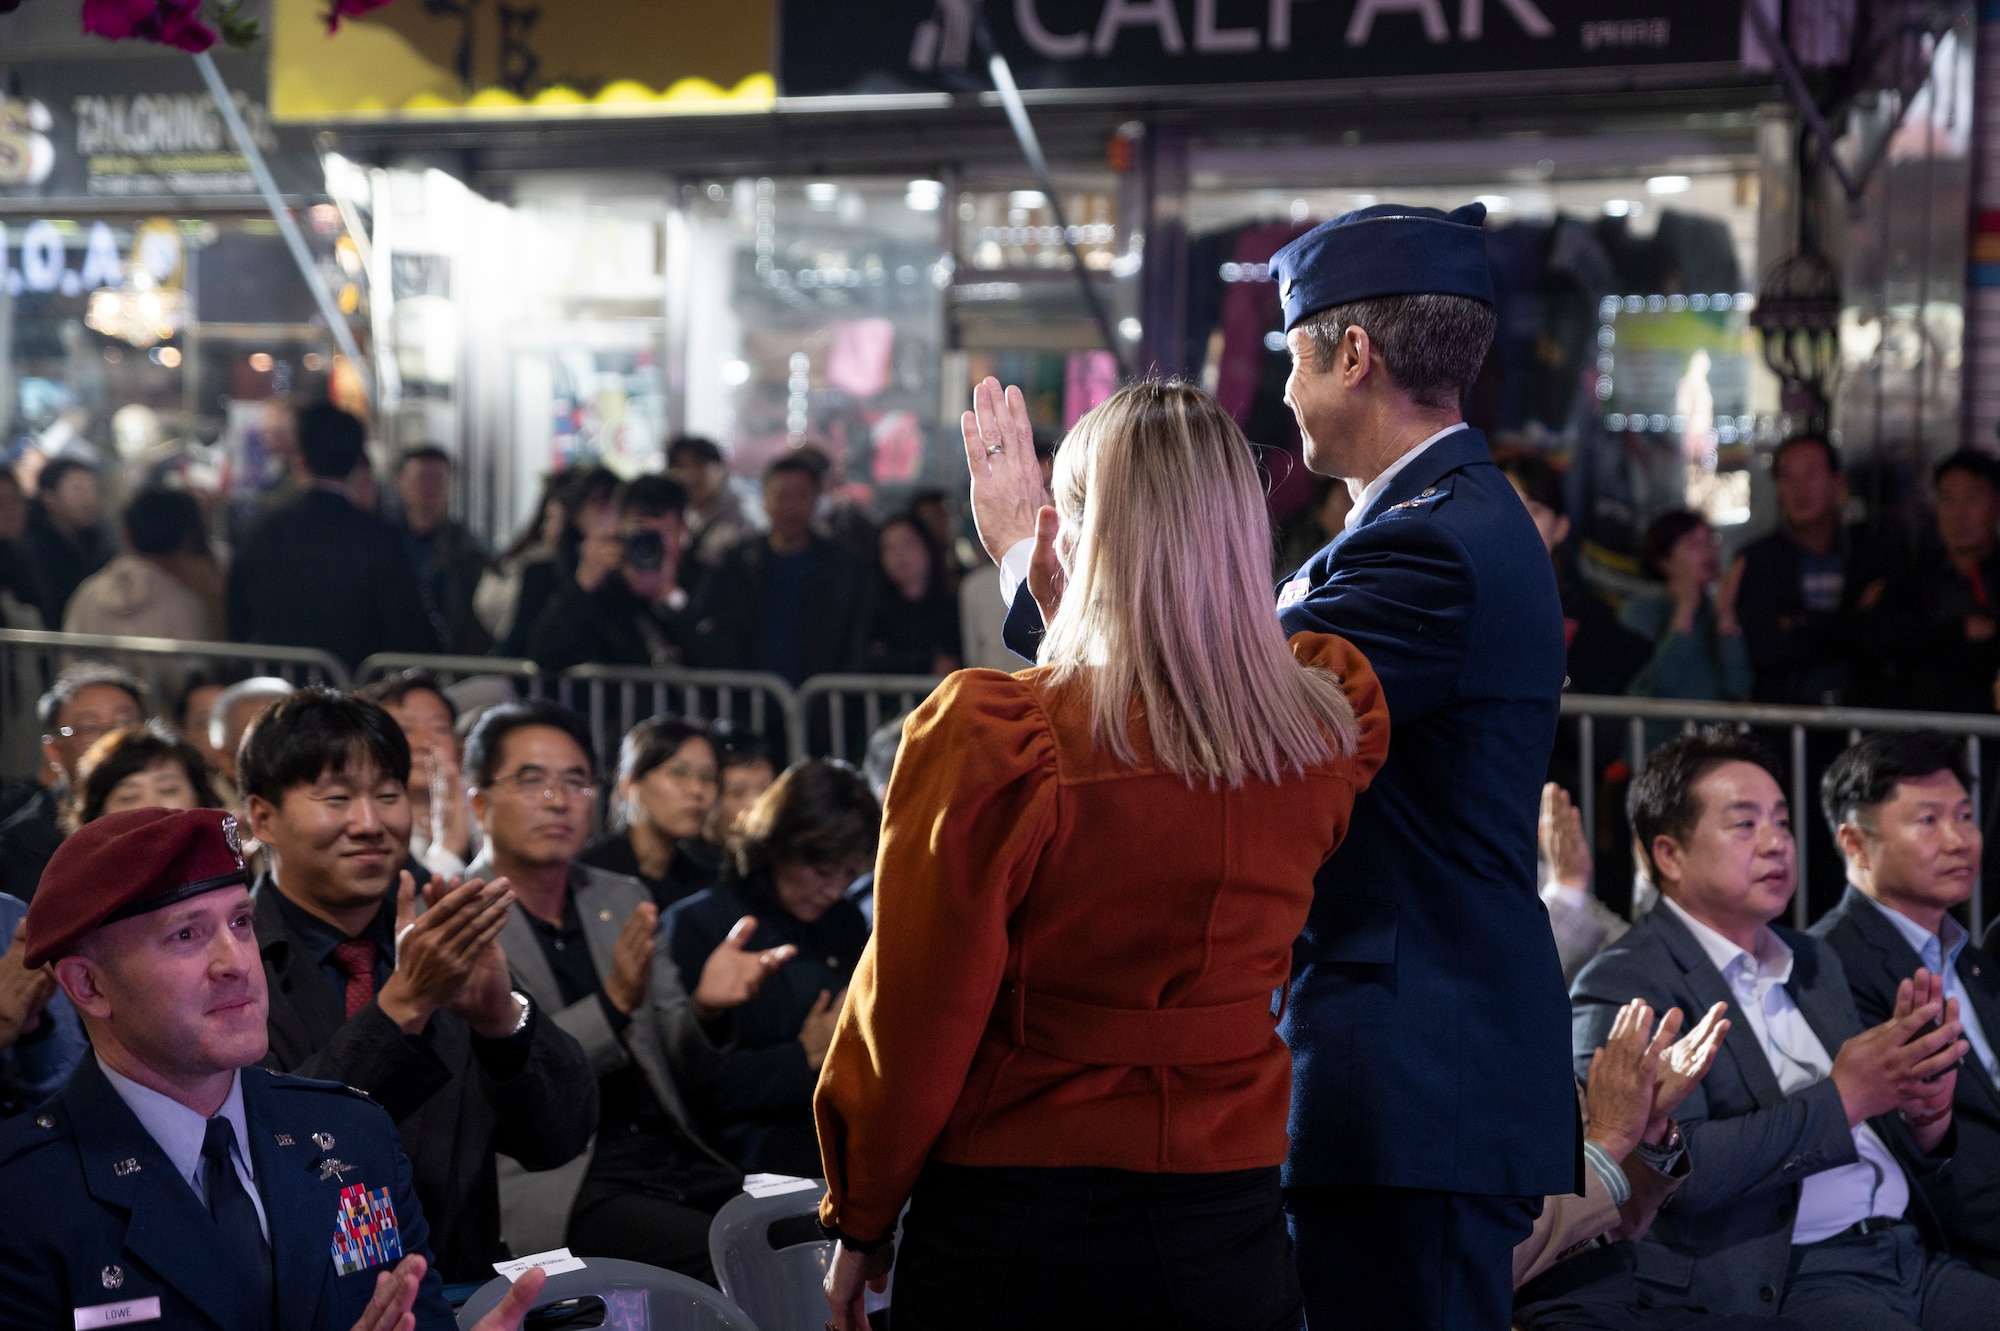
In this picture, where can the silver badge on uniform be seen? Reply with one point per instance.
(334, 1169)
(284, 1139)
(235, 839)
(323, 1140)
(124, 1167)
(111, 1277)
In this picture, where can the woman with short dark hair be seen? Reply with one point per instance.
(794, 854)
(667, 784)
(912, 625)
(145, 766)
(1698, 648)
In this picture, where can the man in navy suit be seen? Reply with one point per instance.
(1900, 811)
(172, 1181)
(1432, 1101)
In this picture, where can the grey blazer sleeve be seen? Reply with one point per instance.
(669, 1023)
(1735, 1157)
(584, 1021)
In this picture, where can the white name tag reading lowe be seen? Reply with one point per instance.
(118, 1314)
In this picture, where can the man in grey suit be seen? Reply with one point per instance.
(585, 944)
(1899, 808)
(1808, 1131)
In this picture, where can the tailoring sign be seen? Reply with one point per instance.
(141, 127)
(834, 46)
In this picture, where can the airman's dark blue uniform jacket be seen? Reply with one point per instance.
(93, 1213)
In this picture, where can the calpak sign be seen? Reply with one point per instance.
(836, 46)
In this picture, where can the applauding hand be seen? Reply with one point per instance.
(733, 974)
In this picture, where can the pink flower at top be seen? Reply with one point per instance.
(337, 10)
(175, 23)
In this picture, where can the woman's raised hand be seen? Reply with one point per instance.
(1007, 486)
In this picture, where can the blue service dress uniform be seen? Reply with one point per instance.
(97, 1224)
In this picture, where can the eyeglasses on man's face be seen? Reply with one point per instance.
(90, 731)
(539, 783)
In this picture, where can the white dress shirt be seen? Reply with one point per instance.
(1940, 954)
(180, 1132)
(1372, 491)
(1833, 1199)
(1014, 564)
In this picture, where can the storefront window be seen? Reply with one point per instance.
(1017, 309)
(811, 314)
(148, 344)
(1623, 350)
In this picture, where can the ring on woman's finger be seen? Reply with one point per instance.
(992, 449)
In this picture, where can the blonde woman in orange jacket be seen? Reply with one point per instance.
(1060, 1046)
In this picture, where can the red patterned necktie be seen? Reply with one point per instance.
(357, 958)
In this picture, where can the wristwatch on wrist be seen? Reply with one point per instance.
(526, 1010)
(1665, 1155)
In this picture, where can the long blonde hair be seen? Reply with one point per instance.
(1168, 609)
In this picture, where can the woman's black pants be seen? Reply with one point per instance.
(1095, 1248)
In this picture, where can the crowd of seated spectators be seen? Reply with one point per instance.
(1836, 1167)
(683, 969)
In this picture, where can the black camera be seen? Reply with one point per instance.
(645, 550)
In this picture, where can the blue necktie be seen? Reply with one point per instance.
(236, 1215)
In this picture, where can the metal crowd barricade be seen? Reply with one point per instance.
(528, 677)
(615, 698)
(1797, 722)
(854, 709)
(30, 660)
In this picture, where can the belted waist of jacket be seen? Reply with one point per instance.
(1096, 1035)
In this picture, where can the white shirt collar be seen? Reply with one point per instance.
(179, 1130)
(1772, 960)
(1372, 491)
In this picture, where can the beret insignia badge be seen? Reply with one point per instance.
(233, 837)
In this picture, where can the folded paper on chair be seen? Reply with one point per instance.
(776, 1185)
(555, 1261)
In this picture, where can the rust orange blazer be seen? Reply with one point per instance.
(1074, 960)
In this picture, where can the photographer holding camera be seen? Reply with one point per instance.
(626, 605)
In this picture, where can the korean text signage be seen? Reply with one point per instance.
(835, 46)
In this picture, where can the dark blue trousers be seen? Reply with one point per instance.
(1406, 1258)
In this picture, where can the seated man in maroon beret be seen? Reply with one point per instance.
(173, 1181)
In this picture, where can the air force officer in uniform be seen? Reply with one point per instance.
(172, 1182)
(1432, 1101)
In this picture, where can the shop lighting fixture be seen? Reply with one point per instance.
(167, 356)
(735, 373)
(313, 361)
(821, 195)
(1130, 328)
(1668, 185)
(924, 196)
(1274, 341)
(140, 318)
(1618, 207)
(1029, 199)
(1496, 203)
(261, 361)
